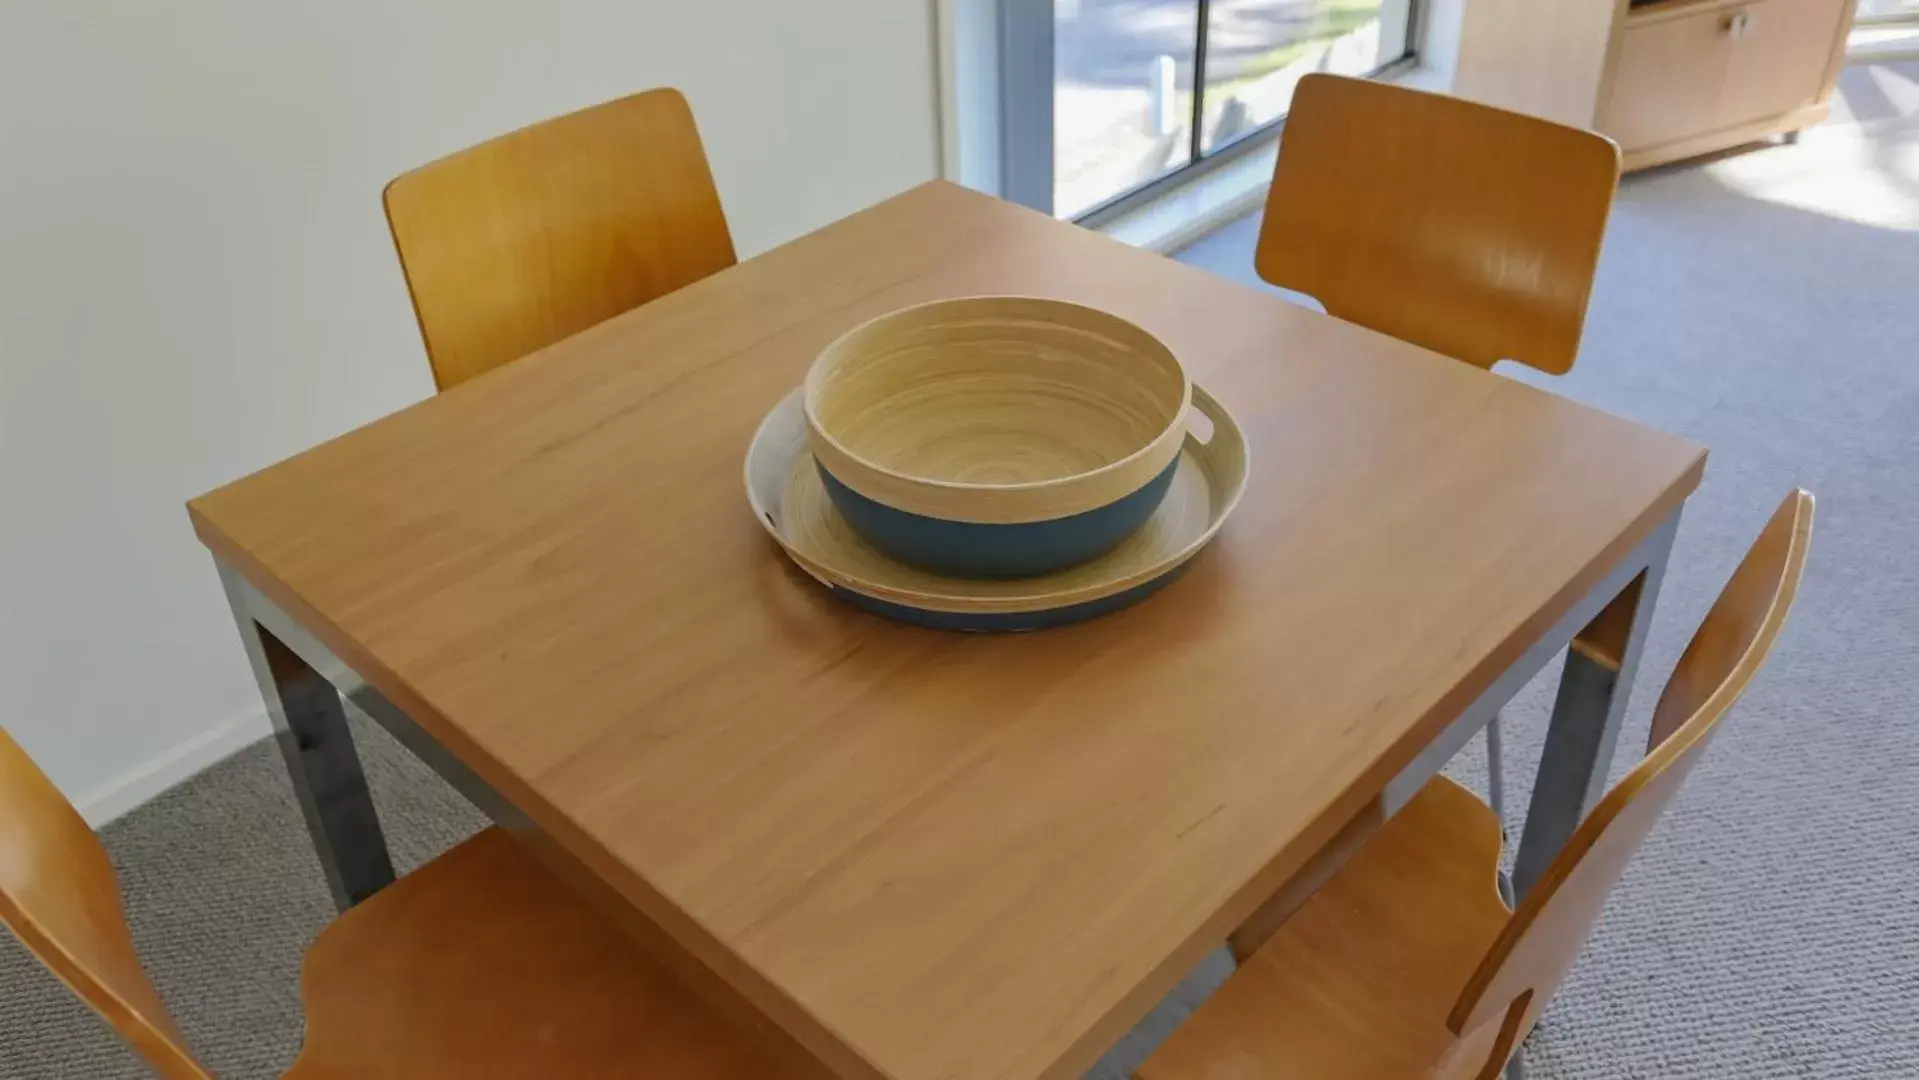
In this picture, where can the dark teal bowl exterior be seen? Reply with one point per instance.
(1008, 622)
(967, 549)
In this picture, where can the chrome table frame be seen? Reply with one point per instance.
(303, 683)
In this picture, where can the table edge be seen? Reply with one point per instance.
(687, 932)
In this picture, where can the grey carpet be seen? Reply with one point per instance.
(1771, 927)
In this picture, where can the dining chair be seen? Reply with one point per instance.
(1462, 228)
(531, 237)
(481, 964)
(1408, 963)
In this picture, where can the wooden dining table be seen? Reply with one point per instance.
(901, 853)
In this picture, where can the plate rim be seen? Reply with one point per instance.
(1206, 455)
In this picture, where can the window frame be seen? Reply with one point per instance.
(1025, 45)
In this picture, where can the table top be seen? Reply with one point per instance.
(935, 856)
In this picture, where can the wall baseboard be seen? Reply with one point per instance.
(150, 778)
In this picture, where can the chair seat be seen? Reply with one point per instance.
(1358, 983)
(483, 964)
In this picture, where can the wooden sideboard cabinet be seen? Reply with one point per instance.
(1669, 79)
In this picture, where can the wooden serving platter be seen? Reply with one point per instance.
(790, 501)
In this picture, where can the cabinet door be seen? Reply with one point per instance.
(1779, 56)
(1681, 75)
(1667, 80)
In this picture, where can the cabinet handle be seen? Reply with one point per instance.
(1738, 24)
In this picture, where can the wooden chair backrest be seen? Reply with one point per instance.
(59, 896)
(1459, 227)
(523, 240)
(1545, 935)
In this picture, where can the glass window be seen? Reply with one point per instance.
(1256, 51)
(1122, 96)
(1125, 73)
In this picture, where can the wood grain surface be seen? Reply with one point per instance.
(1355, 986)
(930, 856)
(1305, 883)
(1546, 60)
(59, 896)
(785, 491)
(527, 238)
(1534, 952)
(996, 409)
(1467, 229)
(1407, 962)
(1691, 76)
(483, 965)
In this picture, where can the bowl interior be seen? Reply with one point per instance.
(997, 391)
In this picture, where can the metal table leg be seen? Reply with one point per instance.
(1587, 716)
(1496, 769)
(310, 725)
(1496, 795)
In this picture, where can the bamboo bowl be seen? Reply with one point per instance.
(996, 437)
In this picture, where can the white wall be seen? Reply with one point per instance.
(196, 281)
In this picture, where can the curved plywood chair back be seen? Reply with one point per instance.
(516, 243)
(1462, 228)
(1539, 944)
(59, 897)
